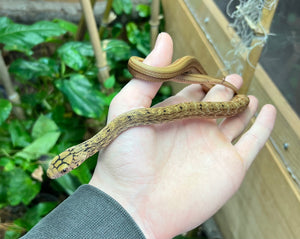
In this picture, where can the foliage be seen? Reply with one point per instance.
(59, 94)
(22, 38)
(83, 96)
(5, 108)
(122, 6)
(139, 37)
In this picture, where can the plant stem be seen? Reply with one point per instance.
(101, 63)
(13, 96)
(46, 104)
(82, 26)
(105, 18)
(154, 21)
(5, 153)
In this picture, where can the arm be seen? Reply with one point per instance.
(88, 213)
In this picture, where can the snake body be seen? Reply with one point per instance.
(182, 70)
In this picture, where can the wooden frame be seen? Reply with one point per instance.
(268, 202)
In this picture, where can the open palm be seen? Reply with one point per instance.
(172, 177)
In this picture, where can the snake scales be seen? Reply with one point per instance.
(187, 70)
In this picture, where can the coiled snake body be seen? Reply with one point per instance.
(186, 70)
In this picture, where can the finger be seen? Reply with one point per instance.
(234, 126)
(223, 93)
(188, 94)
(138, 93)
(192, 92)
(254, 139)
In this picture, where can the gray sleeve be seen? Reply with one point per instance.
(88, 213)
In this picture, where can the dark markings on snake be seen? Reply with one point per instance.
(61, 164)
(58, 158)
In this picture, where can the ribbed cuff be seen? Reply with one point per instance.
(88, 213)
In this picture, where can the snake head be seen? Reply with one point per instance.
(60, 165)
(54, 173)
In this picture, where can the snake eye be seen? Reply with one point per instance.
(64, 170)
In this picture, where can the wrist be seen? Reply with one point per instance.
(131, 204)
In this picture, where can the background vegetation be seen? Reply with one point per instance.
(63, 105)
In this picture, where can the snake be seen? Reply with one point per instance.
(187, 70)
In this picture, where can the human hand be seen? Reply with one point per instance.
(172, 177)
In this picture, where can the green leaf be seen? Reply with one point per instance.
(84, 98)
(116, 50)
(120, 6)
(3, 189)
(117, 6)
(45, 132)
(132, 32)
(35, 99)
(75, 54)
(139, 37)
(67, 183)
(68, 26)
(5, 109)
(143, 10)
(143, 41)
(116, 30)
(4, 22)
(127, 6)
(21, 188)
(28, 70)
(12, 234)
(42, 126)
(166, 90)
(126, 73)
(18, 134)
(71, 127)
(7, 163)
(40, 146)
(35, 214)
(110, 82)
(82, 173)
(143, 49)
(22, 38)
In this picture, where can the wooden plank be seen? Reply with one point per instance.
(265, 206)
(268, 203)
(286, 130)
